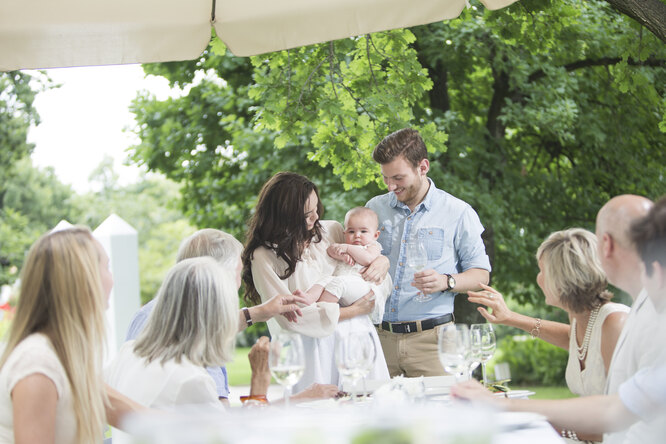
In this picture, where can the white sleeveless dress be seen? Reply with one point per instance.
(592, 380)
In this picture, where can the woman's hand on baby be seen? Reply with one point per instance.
(366, 304)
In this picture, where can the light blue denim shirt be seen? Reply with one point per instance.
(452, 232)
(219, 374)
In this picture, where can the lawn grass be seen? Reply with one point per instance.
(239, 371)
(547, 392)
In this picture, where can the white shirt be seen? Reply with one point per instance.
(35, 354)
(162, 386)
(636, 347)
(639, 346)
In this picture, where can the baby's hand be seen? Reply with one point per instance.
(340, 249)
(348, 259)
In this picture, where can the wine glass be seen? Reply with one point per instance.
(355, 355)
(475, 354)
(417, 258)
(286, 360)
(454, 349)
(484, 337)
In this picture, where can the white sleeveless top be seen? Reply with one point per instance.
(592, 380)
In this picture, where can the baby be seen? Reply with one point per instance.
(358, 251)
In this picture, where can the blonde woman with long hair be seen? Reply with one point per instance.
(51, 386)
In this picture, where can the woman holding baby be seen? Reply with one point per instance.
(285, 252)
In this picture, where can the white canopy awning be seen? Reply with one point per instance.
(59, 33)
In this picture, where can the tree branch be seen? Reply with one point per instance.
(603, 61)
(649, 13)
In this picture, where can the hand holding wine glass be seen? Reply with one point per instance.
(454, 349)
(286, 360)
(483, 338)
(417, 259)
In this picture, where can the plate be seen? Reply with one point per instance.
(524, 394)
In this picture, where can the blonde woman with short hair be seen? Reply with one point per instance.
(51, 386)
(571, 278)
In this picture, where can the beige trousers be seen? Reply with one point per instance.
(412, 354)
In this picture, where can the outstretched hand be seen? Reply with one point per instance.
(494, 300)
(285, 305)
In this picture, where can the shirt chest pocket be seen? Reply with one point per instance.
(386, 237)
(433, 239)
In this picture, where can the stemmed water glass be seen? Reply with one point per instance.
(286, 360)
(483, 340)
(454, 349)
(355, 355)
(417, 258)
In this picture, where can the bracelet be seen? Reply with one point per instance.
(569, 434)
(261, 399)
(248, 319)
(537, 328)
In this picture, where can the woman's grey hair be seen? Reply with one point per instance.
(217, 244)
(572, 269)
(195, 317)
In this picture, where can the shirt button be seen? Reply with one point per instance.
(404, 241)
(429, 232)
(400, 264)
(397, 287)
(393, 310)
(409, 218)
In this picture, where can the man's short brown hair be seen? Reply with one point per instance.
(406, 142)
(649, 236)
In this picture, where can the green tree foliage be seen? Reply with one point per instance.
(148, 206)
(16, 116)
(34, 202)
(535, 114)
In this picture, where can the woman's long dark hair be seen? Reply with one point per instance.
(278, 223)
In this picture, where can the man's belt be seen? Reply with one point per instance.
(415, 326)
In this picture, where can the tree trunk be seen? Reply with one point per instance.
(649, 13)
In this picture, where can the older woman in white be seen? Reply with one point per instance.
(193, 326)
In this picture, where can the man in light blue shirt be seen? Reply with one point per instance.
(414, 210)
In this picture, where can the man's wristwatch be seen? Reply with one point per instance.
(450, 282)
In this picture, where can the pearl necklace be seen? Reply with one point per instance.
(582, 350)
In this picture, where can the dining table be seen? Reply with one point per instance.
(409, 411)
